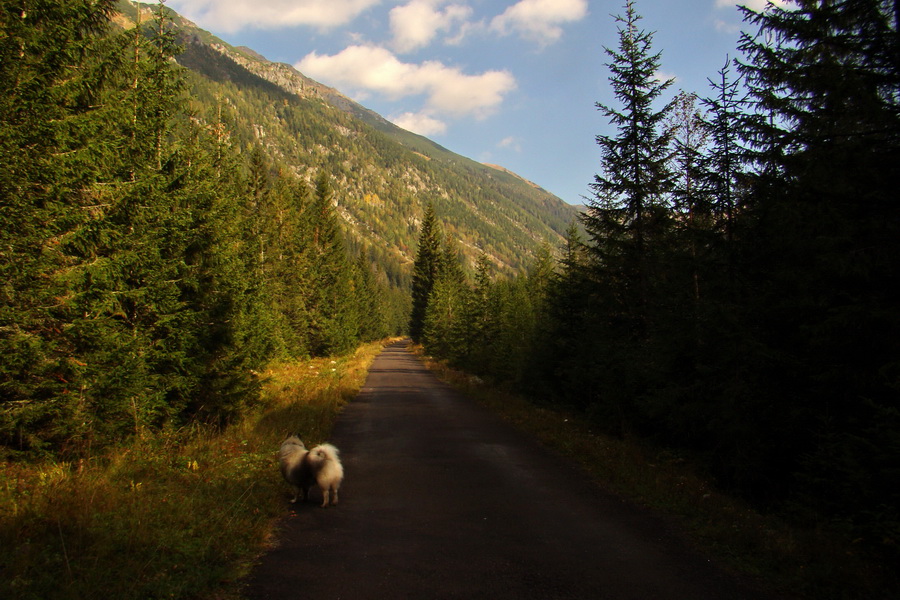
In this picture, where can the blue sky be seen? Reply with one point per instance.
(508, 82)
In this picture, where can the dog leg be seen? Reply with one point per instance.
(325, 498)
(296, 494)
(334, 497)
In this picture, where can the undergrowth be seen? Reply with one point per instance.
(176, 514)
(796, 561)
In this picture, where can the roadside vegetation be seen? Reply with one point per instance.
(170, 514)
(809, 562)
(732, 292)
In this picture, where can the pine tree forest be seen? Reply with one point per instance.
(151, 264)
(732, 290)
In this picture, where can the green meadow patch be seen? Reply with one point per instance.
(176, 514)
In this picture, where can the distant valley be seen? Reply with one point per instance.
(383, 175)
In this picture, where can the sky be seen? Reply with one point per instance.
(507, 82)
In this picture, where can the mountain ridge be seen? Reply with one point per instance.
(384, 175)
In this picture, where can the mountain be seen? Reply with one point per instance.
(383, 175)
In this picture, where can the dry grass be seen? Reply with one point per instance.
(798, 562)
(179, 514)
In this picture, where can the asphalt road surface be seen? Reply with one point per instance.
(441, 499)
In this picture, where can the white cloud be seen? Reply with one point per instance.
(417, 23)
(662, 77)
(233, 15)
(512, 142)
(422, 123)
(725, 27)
(366, 68)
(539, 20)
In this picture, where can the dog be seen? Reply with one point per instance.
(325, 463)
(301, 468)
(295, 468)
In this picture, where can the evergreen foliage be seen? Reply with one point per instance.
(425, 270)
(629, 222)
(151, 262)
(723, 164)
(630, 191)
(52, 63)
(825, 81)
(737, 295)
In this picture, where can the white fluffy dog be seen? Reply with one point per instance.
(301, 468)
(295, 467)
(329, 473)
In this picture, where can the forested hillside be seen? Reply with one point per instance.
(383, 175)
(150, 263)
(737, 296)
(177, 212)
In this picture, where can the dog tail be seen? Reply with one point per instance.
(329, 451)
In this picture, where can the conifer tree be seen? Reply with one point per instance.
(128, 310)
(334, 323)
(824, 77)
(723, 166)
(565, 329)
(55, 137)
(520, 305)
(224, 354)
(630, 228)
(477, 324)
(261, 319)
(627, 215)
(425, 270)
(292, 279)
(445, 304)
(369, 302)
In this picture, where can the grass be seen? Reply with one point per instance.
(177, 514)
(805, 563)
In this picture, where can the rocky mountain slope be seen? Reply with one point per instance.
(383, 175)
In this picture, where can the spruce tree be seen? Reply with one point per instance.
(334, 320)
(476, 326)
(723, 165)
(222, 356)
(630, 228)
(425, 270)
(292, 262)
(369, 295)
(57, 142)
(824, 77)
(261, 319)
(560, 364)
(519, 305)
(445, 304)
(627, 215)
(129, 310)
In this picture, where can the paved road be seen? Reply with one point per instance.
(443, 500)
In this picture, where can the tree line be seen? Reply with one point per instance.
(150, 266)
(733, 288)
